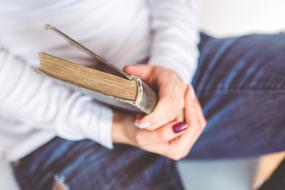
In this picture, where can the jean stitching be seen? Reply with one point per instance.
(241, 91)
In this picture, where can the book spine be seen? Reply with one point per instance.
(146, 99)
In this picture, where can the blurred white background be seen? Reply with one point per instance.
(221, 18)
(234, 17)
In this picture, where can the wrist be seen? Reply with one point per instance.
(123, 127)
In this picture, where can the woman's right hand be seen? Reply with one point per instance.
(173, 140)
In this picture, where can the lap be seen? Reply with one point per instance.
(254, 62)
(87, 165)
(240, 82)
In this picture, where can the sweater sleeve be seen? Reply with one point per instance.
(174, 25)
(42, 103)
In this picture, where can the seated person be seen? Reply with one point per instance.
(218, 97)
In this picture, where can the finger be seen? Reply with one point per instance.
(162, 134)
(170, 131)
(191, 112)
(198, 107)
(143, 71)
(200, 114)
(170, 101)
(169, 107)
(181, 146)
(161, 115)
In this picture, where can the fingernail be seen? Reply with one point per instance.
(192, 92)
(143, 125)
(179, 127)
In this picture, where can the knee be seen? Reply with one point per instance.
(264, 54)
(267, 48)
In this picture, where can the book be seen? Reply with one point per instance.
(115, 88)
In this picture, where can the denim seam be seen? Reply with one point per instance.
(240, 91)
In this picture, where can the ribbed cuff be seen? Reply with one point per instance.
(105, 131)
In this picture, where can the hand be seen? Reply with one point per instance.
(173, 140)
(171, 90)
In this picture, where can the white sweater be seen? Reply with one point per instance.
(34, 109)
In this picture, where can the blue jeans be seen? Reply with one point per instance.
(240, 83)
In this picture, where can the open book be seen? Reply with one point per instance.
(119, 89)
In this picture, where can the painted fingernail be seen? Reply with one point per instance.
(192, 92)
(143, 125)
(179, 127)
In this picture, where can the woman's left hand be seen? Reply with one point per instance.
(173, 140)
(171, 90)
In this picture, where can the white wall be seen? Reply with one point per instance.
(229, 17)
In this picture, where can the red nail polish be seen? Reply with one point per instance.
(179, 127)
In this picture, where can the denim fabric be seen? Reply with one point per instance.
(240, 83)
(85, 165)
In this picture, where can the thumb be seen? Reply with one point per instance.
(142, 71)
(161, 115)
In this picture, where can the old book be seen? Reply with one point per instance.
(116, 88)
